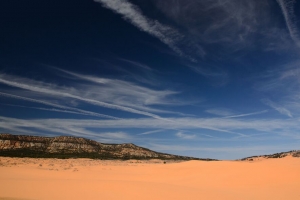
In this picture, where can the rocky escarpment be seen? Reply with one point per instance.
(293, 153)
(70, 147)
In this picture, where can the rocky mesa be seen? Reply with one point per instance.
(75, 147)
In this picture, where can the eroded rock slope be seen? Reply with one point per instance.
(70, 147)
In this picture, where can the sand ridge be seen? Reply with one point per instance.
(94, 179)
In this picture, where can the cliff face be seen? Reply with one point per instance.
(67, 147)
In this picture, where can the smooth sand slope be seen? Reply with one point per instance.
(22, 178)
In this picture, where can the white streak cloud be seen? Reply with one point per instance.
(247, 114)
(277, 107)
(132, 95)
(52, 90)
(287, 7)
(221, 125)
(219, 111)
(185, 136)
(150, 132)
(134, 15)
(78, 111)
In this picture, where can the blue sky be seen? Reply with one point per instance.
(216, 79)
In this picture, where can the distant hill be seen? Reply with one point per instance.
(75, 147)
(276, 155)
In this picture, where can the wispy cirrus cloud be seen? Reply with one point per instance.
(77, 111)
(115, 136)
(282, 78)
(134, 15)
(136, 64)
(287, 7)
(131, 69)
(217, 74)
(209, 20)
(247, 114)
(37, 127)
(222, 126)
(219, 111)
(151, 132)
(277, 107)
(71, 93)
(132, 95)
(101, 92)
(280, 87)
(116, 88)
(234, 26)
(207, 32)
(86, 113)
(201, 26)
(226, 113)
(185, 136)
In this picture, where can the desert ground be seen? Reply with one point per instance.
(27, 179)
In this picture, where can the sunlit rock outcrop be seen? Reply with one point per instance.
(70, 147)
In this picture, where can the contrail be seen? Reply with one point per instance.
(247, 114)
(133, 14)
(287, 8)
(59, 106)
(54, 110)
(50, 91)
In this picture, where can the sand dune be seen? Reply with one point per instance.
(25, 178)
